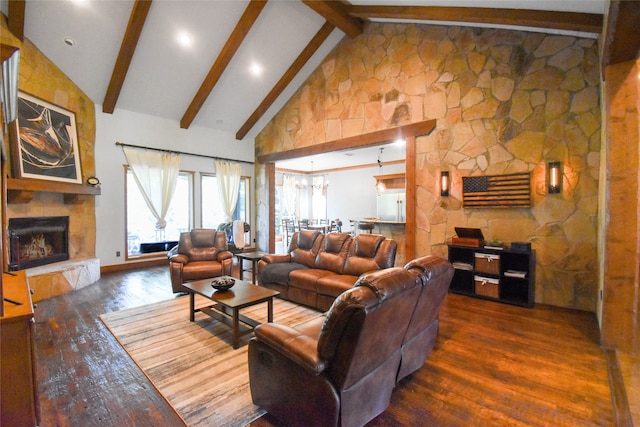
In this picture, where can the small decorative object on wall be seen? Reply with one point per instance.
(497, 191)
(444, 183)
(554, 177)
(47, 145)
(92, 180)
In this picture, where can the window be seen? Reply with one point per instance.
(142, 236)
(212, 212)
(319, 198)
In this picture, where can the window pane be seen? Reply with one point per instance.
(212, 211)
(141, 224)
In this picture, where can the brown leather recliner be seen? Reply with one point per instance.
(435, 275)
(201, 253)
(341, 368)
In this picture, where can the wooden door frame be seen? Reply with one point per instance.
(407, 132)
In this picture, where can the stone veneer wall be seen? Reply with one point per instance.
(41, 78)
(505, 101)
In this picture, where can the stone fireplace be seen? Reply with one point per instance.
(38, 241)
(35, 198)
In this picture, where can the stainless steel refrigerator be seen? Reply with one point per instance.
(391, 206)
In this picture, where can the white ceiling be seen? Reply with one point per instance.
(164, 77)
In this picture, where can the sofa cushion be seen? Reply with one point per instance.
(202, 244)
(335, 285)
(370, 252)
(197, 270)
(305, 247)
(308, 279)
(334, 251)
(279, 272)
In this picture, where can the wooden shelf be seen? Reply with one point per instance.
(392, 180)
(6, 51)
(22, 190)
(510, 273)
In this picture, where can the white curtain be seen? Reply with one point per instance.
(289, 192)
(228, 180)
(9, 92)
(156, 174)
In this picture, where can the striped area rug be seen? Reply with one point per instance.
(193, 364)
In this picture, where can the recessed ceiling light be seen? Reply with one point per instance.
(69, 41)
(255, 69)
(185, 39)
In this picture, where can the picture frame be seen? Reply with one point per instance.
(47, 141)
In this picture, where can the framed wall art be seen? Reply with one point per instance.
(47, 145)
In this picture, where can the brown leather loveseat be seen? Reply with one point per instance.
(319, 267)
(340, 369)
(201, 253)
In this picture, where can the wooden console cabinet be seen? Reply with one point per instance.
(502, 275)
(18, 400)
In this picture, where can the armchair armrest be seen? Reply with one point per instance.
(224, 255)
(180, 258)
(292, 344)
(271, 258)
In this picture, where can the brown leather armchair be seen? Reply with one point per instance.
(201, 253)
(340, 368)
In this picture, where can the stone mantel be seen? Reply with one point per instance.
(21, 190)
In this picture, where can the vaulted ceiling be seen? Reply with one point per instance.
(125, 54)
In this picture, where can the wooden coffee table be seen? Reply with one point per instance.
(228, 304)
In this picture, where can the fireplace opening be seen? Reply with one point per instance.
(38, 241)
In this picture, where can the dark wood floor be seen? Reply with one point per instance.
(494, 365)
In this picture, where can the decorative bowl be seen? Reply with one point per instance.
(223, 283)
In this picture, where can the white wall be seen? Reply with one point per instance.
(352, 193)
(149, 131)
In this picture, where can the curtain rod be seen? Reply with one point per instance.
(182, 152)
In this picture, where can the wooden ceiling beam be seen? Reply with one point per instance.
(15, 19)
(622, 42)
(127, 49)
(230, 48)
(568, 21)
(336, 13)
(286, 78)
(357, 141)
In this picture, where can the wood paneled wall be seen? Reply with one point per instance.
(621, 305)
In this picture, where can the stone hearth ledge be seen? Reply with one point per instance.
(56, 279)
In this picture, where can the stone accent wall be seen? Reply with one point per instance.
(41, 78)
(505, 101)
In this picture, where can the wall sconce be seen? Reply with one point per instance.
(554, 177)
(444, 183)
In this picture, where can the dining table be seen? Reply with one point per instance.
(325, 228)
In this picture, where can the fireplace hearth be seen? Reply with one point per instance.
(38, 241)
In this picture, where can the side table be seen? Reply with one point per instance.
(254, 257)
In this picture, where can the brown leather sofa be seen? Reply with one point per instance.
(319, 267)
(340, 369)
(201, 253)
